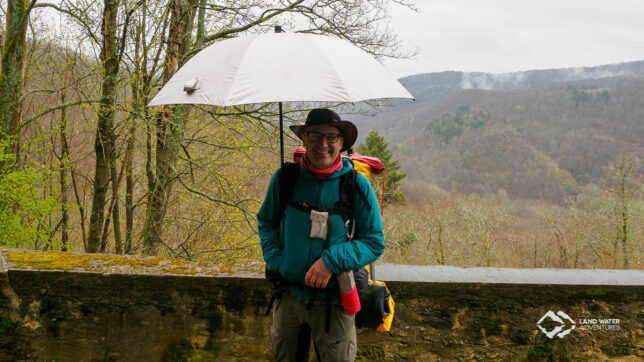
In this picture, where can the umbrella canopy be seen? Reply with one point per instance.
(280, 67)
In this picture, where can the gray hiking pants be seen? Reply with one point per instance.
(289, 313)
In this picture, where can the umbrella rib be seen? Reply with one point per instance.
(227, 100)
(333, 66)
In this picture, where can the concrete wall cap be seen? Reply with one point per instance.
(453, 274)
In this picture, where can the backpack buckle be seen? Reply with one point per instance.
(353, 228)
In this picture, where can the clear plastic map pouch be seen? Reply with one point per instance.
(319, 224)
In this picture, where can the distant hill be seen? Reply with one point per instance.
(428, 86)
(536, 134)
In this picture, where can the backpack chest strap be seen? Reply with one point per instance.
(303, 206)
(349, 225)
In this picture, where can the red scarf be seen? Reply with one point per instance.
(305, 163)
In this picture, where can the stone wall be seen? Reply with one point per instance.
(77, 314)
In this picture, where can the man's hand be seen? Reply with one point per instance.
(318, 276)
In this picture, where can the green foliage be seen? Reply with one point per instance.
(547, 353)
(376, 146)
(25, 215)
(586, 93)
(405, 242)
(450, 125)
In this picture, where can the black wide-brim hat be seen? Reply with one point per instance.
(323, 116)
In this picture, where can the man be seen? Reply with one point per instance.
(307, 253)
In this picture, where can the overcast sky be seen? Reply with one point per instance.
(513, 35)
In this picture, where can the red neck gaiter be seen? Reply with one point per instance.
(305, 163)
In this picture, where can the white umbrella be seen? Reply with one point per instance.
(280, 67)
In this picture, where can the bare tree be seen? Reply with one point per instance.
(105, 128)
(355, 20)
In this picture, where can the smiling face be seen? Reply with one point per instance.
(322, 154)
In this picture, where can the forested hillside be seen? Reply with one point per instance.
(539, 172)
(544, 142)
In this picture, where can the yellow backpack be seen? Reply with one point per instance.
(388, 305)
(377, 313)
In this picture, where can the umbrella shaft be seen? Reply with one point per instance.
(281, 136)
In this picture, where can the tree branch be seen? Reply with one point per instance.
(78, 17)
(55, 108)
(264, 17)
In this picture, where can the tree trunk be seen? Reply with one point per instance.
(201, 21)
(116, 221)
(65, 161)
(81, 205)
(129, 192)
(169, 127)
(12, 73)
(624, 168)
(139, 100)
(105, 129)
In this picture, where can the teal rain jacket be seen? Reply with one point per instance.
(293, 255)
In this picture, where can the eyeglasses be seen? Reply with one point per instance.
(317, 136)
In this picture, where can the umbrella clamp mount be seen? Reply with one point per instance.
(191, 85)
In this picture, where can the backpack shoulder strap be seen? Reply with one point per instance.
(348, 187)
(344, 205)
(288, 177)
(361, 193)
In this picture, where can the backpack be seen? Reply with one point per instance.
(343, 207)
(377, 305)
